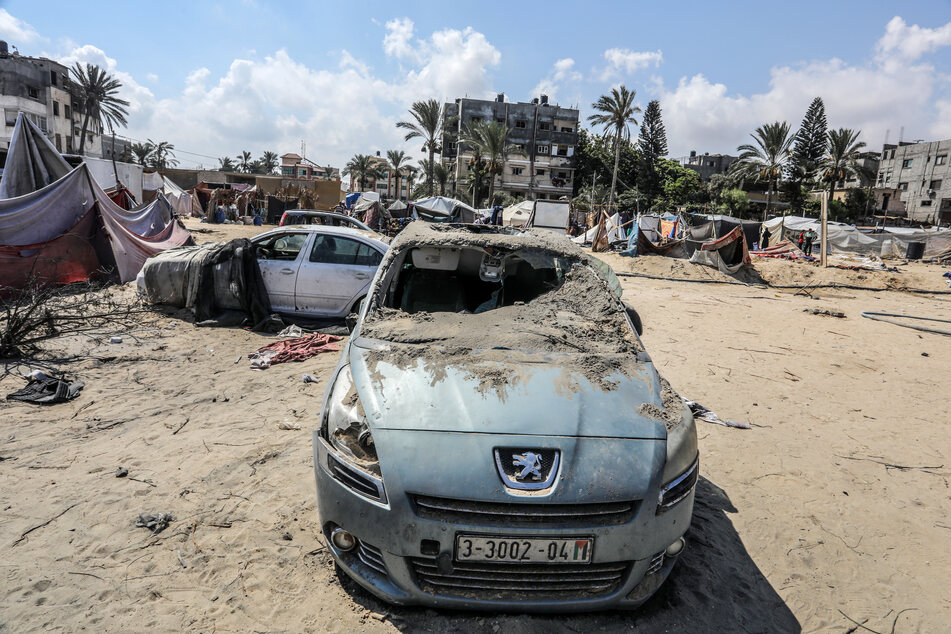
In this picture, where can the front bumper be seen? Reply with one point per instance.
(399, 553)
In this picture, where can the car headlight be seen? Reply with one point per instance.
(683, 463)
(350, 452)
(345, 424)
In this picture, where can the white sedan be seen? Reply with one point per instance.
(318, 270)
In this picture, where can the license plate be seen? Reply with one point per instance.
(531, 550)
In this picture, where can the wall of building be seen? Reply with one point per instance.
(545, 133)
(922, 173)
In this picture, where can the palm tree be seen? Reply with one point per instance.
(441, 176)
(397, 159)
(268, 162)
(162, 155)
(768, 157)
(428, 125)
(361, 167)
(143, 152)
(244, 161)
(225, 164)
(842, 159)
(617, 112)
(97, 99)
(492, 141)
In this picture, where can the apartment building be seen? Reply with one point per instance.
(921, 172)
(39, 88)
(546, 135)
(386, 182)
(294, 166)
(707, 164)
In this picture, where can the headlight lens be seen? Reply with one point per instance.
(678, 488)
(345, 426)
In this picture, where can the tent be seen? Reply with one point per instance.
(728, 254)
(517, 214)
(69, 229)
(398, 209)
(442, 209)
(711, 226)
(180, 199)
(844, 238)
(615, 232)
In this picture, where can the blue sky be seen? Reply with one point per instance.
(218, 78)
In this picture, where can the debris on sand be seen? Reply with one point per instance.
(822, 311)
(155, 522)
(702, 413)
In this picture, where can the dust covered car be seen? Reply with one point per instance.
(495, 435)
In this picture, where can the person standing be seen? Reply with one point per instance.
(811, 236)
(764, 242)
(802, 238)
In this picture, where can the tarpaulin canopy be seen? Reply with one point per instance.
(728, 254)
(844, 238)
(517, 214)
(68, 230)
(614, 229)
(396, 205)
(716, 225)
(180, 199)
(32, 161)
(442, 209)
(152, 181)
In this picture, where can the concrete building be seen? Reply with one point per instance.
(545, 133)
(123, 148)
(922, 173)
(385, 184)
(294, 166)
(707, 164)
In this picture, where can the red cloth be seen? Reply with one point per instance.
(300, 348)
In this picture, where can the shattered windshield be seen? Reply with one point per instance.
(494, 298)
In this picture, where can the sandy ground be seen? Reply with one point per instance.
(798, 520)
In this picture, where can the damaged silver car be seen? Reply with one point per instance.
(495, 435)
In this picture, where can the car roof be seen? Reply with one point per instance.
(331, 230)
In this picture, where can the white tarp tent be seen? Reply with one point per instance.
(847, 239)
(517, 214)
(614, 232)
(550, 215)
(442, 208)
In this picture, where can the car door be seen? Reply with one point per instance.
(336, 272)
(279, 256)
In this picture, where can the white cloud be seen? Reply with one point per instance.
(622, 60)
(884, 94)
(398, 39)
(562, 71)
(152, 77)
(15, 31)
(911, 42)
(274, 102)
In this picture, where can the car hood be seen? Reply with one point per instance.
(502, 392)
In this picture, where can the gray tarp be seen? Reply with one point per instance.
(446, 208)
(847, 239)
(32, 161)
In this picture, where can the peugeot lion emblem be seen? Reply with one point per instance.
(527, 469)
(530, 463)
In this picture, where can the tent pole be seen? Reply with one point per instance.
(825, 224)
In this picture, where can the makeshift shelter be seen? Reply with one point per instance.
(369, 211)
(398, 209)
(122, 197)
(842, 238)
(442, 209)
(180, 199)
(713, 226)
(517, 214)
(613, 227)
(70, 230)
(728, 254)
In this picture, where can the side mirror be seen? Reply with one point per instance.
(635, 319)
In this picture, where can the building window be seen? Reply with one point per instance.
(55, 108)
(563, 175)
(907, 162)
(516, 171)
(475, 119)
(10, 116)
(500, 119)
(32, 93)
(520, 123)
(562, 150)
(539, 172)
(567, 129)
(66, 111)
(941, 159)
(925, 203)
(302, 172)
(935, 184)
(53, 77)
(544, 125)
(902, 186)
(542, 149)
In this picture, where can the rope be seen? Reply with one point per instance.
(881, 317)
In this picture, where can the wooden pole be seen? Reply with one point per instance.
(825, 225)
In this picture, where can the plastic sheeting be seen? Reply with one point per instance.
(728, 254)
(152, 181)
(442, 209)
(847, 239)
(615, 233)
(32, 161)
(517, 214)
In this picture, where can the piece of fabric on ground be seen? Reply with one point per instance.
(293, 350)
(727, 254)
(785, 250)
(48, 391)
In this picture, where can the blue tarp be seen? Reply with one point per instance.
(352, 198)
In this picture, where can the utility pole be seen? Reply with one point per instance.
(825, 225)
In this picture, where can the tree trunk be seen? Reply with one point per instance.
(491, 187)
(82, 136)
(769, 197)
(832, 187)
(429, 169)
(617, 155)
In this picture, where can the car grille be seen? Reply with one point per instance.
(536, 515)
(372, 557)
(518, 582)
